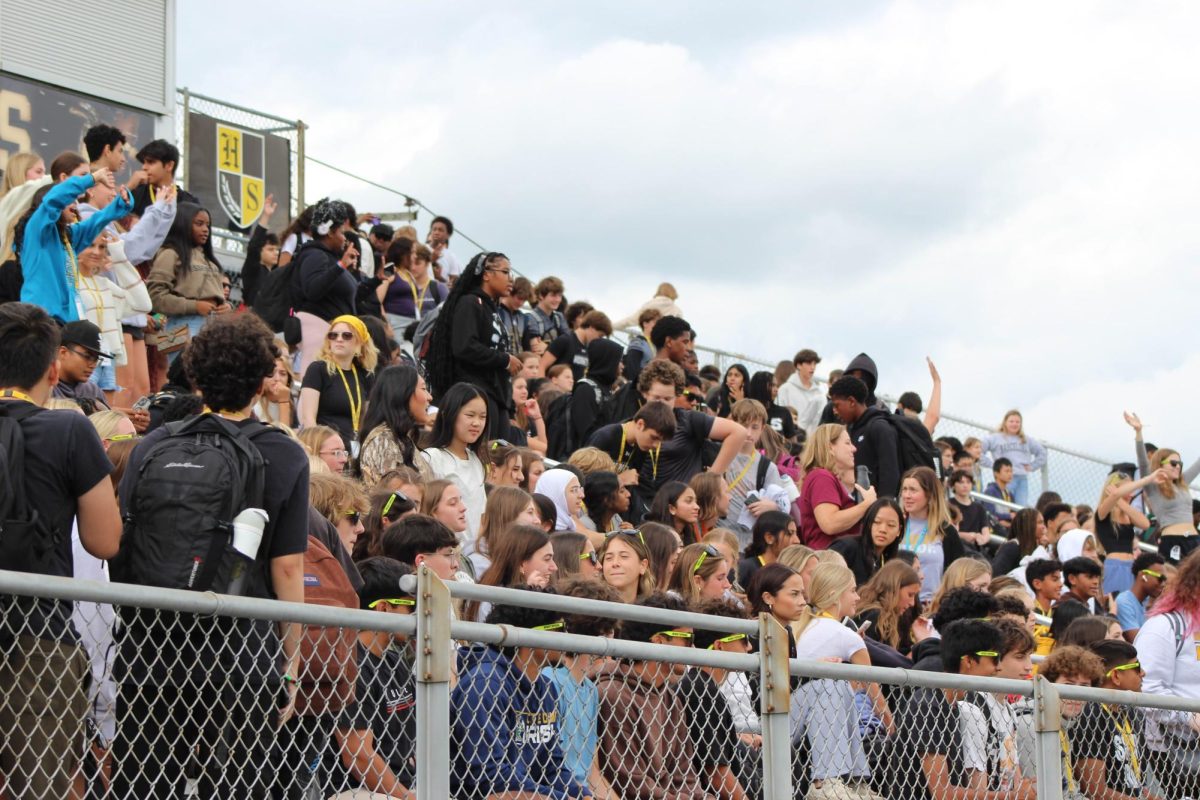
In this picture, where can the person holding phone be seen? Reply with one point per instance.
(407, 288)
(827, 512)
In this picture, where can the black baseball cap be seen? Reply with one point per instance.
(84, 334)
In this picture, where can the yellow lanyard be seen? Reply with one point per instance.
(742, 474)
(827, 615)
(1126, 732)
(418, 301)
(622, 464)
(1068, 771)
(354, 407)
(93, 289)
(151, 188)
(16, 394)
(654, 454)
(233, 416)
(72, 262)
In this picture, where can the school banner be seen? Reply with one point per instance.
(232, 169)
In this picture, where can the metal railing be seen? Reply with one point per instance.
(807, 711)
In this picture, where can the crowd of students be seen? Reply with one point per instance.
(382, 405)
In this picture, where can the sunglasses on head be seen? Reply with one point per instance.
(708, 552)
(987, 654)
(387, 507)
(626, 532)
(498, 443)
(686, 635)
(392, 601)
(345, 336)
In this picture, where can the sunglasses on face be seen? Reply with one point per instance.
(708, 552)
(685, 635)
(1172, 462)
(733, 637)
(396, 601)
(1152, 573)
(590, 556)
(345, 336)
(987, 654)
(353, 516)
(1125, 667)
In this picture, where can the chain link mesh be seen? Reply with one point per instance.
(154, 704)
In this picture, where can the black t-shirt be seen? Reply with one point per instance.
(64, 460)
(710, 724)
(206, 643)
(569, 350)
(334, 408)
(929, 726)
(781, 420)
(974, 517)
(608, 438)
(1098, 735)
(681, 457)
(384, 703)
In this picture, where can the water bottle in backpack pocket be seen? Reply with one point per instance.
(180, 517)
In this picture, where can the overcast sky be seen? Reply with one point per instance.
(1009, 188)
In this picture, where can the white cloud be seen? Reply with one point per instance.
(1009, 188)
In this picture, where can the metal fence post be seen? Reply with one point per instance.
(1047, 729)
(300, 126)
(187, 107)
(433, 686)
(775, 698)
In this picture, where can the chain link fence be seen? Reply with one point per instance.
(178, 694)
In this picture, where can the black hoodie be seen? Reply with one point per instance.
(478, 345)
(870, 376)
(590, 393)
(877, 449)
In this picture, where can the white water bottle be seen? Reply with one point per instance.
(248, 528)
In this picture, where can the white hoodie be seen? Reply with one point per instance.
(809, 403)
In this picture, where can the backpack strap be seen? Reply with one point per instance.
(760, 478)
(1179, 629)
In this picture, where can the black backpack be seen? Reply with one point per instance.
(279, 294)
(558, 428)
(178, 530)
(915, 444)
(26, 541)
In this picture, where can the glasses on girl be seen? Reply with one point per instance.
(345, 336)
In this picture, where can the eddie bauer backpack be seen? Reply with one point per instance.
(178, 529)
(26, 541)
(328, 662)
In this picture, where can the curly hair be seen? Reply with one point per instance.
(332, 496)
(590, 589)
(229, 360)
(1072, 661)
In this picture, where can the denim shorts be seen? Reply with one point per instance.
(105, 376)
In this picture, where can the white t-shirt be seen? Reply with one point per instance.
(449, 264)
(290, 244)
(468, 476)
(828, 638)
(997, 740)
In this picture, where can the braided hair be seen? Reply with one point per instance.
(439, 362)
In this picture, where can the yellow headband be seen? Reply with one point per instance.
(356, 325)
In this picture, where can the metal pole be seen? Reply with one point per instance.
(187, 125)
(775, 699)
(1047, 727)
(299, 204)
(433, 686)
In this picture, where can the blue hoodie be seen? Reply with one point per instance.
(43, 258)
(505, 731)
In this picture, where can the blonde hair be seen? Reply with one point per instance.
(1012, 412)
(405, 232)
(796, 557)
(333, 495)
(367, 355)
(107, 423)
(748, 410)
(592, 459)
(666, 290)
(313, 437)
(681, 577)
(818, 450)
(1160, 457)
(829, 557)
(956, 576)
(825, 589)
(62, 404)
(14, 171)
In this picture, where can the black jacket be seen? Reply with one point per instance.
(865, 364)
(141, 198)
(323, 288)
(927, 655)
(861, 563)
(478, 347)
(878, 449)
(253, 270)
